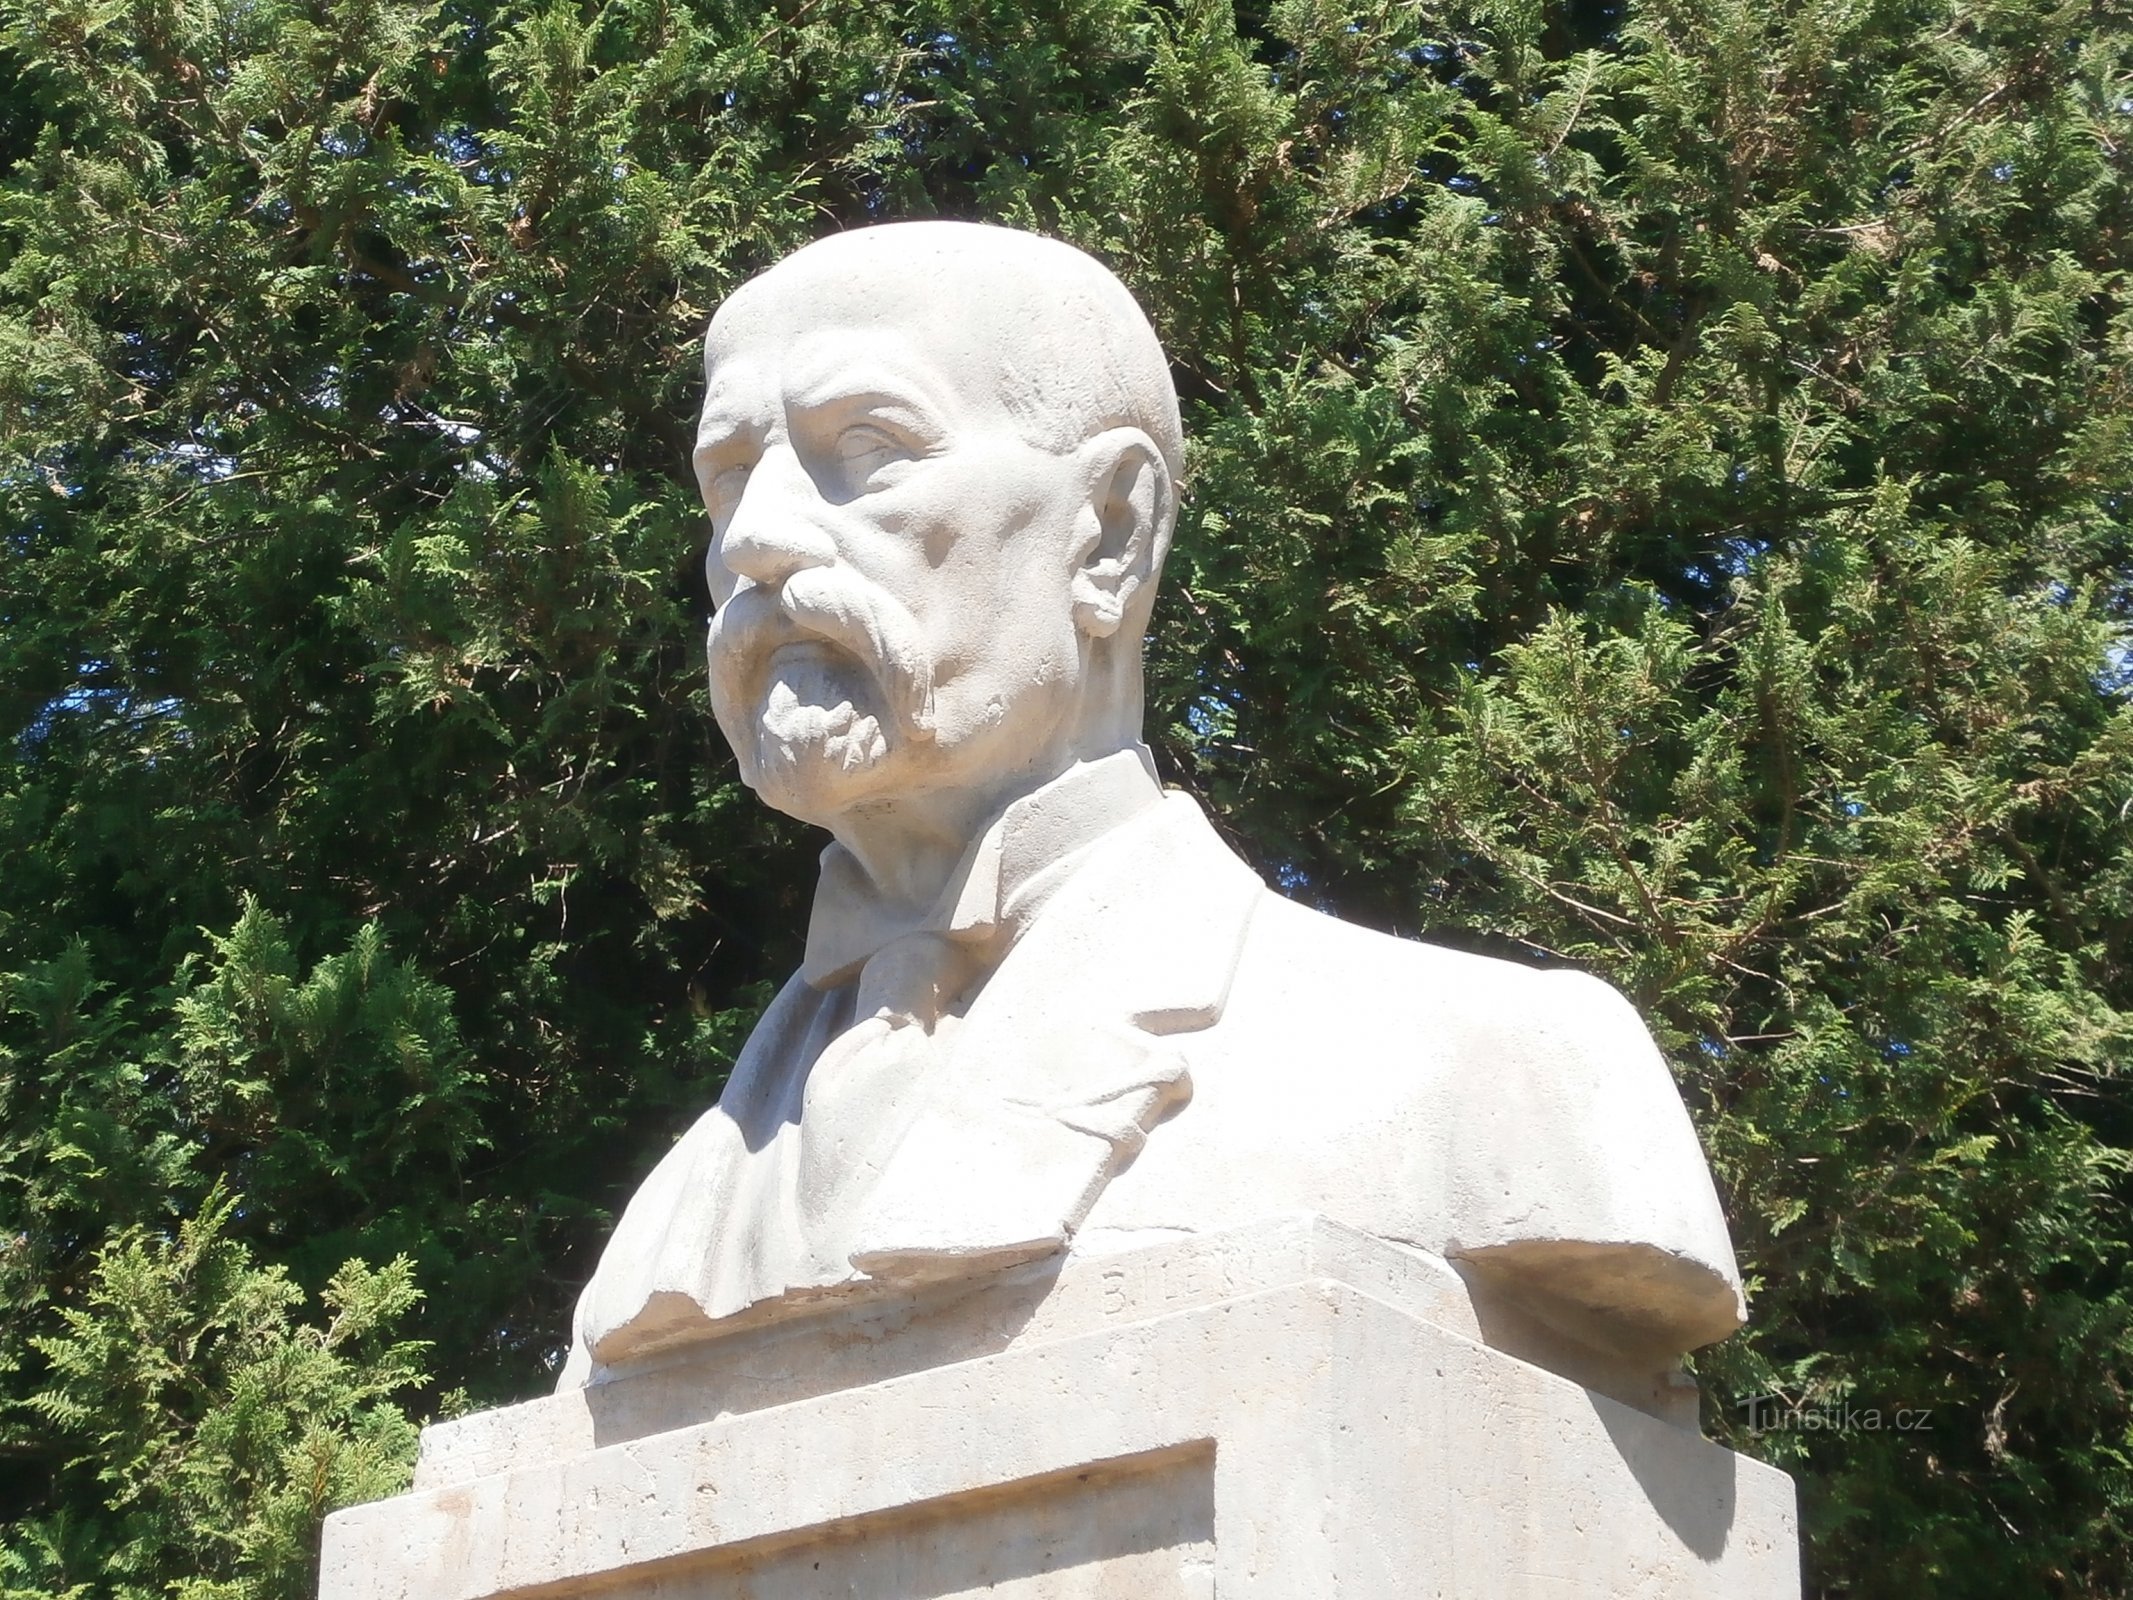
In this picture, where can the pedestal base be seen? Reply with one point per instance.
(1290, 1411)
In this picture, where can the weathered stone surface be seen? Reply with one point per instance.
(1290, 1410)
(1044, 1007)
(1083, 1219)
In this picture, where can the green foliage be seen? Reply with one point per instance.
(213, 1430)
(1661, 484)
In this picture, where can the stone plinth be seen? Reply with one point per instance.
(1292, 1410)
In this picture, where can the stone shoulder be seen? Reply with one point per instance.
(1340, 958)
(1537, 1123)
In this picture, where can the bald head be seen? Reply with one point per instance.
(1059, 341)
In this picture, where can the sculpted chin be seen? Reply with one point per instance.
(1044, 1010)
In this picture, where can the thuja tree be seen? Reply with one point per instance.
(1660, 503)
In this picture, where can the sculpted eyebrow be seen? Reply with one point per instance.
(720, 432)
(869, 392)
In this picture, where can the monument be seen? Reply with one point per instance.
(1082, 1218)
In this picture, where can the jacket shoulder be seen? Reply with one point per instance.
(1555, 1150)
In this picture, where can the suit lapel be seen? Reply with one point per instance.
(1074, 1051)
(1144, 940)
(1069, 1057)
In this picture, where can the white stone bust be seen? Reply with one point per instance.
(1044, 1009)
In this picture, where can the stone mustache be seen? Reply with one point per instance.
(1044, 1009)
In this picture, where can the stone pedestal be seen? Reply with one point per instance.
(1291, 1411)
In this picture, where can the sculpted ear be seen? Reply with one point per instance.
(1130, 507)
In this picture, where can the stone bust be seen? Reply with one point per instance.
(1044, 1009)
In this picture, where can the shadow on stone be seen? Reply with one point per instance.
(843, 1343)
(1694, 1491)
(1141, 1525)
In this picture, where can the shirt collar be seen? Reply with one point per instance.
(1005, 875)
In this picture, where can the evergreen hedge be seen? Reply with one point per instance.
(1660, 502)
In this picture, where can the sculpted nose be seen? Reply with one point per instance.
(768, 552)
(770, 538)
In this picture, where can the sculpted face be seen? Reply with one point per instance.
(913, 547)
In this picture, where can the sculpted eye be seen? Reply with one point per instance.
(869, 453)
(723, 489)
